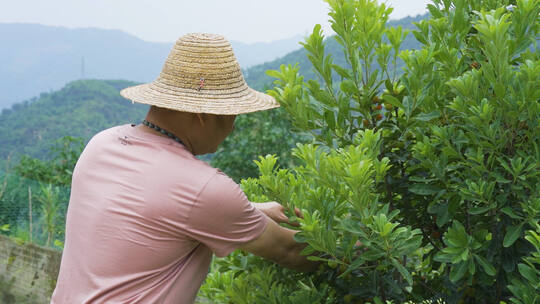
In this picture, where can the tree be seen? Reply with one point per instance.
(451, 167)
(50, 202)
(58, 170)
(45, 184)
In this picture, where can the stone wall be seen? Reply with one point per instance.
(27, 272)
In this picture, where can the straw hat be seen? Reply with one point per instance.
(201, 75)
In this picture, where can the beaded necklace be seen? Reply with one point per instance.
(162, 131)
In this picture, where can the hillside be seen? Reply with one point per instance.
(257, 78)
(36, 58)
(80, 109)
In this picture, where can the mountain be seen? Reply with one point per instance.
(252, 54)
(36, 58)
(44, 58)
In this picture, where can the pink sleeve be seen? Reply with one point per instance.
(223, 218)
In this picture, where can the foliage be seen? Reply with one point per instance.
(476, 165)
(367, 252)
(57, 170)
(244, 279)
(256, 76)
(527, 288)
(255, 134)
(460, 143)
(364, 248)
(334, 115)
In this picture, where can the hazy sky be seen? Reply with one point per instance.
(166, 20)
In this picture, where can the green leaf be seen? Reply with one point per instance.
(330, 119)
(392, 100)
(428, 116)
(424, 189)
(457, 236)
(508, 211)
(4, 228)
(472, 268)
(377, 300)
(512, 234)
(344, 73)
(488, 268)
(274, 74)
(479, 210)
(58, 243)
(403, 271)
(372, 255)
(458, 271)
(388, 84)
(528, 273)
(347, 86)
(443, 257)
(318, 259)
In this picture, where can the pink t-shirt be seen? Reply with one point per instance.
(144, 218)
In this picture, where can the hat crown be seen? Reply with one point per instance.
(201, 62)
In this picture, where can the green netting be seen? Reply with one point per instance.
(31, 211)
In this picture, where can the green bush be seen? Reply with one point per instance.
(417, 187)
(365, 251)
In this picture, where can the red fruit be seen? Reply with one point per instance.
(376, 99)
(475, 65)
(377, 107)
(366, 123)
(379, 117)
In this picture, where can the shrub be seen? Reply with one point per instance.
(446, 157)
(365, 250)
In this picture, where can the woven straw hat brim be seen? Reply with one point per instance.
(201, 75)
(234, 103)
